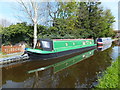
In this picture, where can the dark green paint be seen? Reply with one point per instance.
(59, 46)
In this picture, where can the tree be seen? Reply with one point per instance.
(4, 22)
(1, 29)
(82, 22)
(32, 13)
(53, 11)
(81, 19)
(21, 32)
(1, 32)
(64, 17)
(100, 23)
(16, 33)
(109, 20)
(69, 20)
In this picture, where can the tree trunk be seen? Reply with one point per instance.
(35, 25)
(35, 34)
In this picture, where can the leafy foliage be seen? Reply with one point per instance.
(70, 20)
(111, 77)
(84, 20)
(20, 32)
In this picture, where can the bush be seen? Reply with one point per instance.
(110, 78)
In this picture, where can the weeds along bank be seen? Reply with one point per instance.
(111, 76)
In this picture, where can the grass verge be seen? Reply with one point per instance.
(10, 55)
(111, 76)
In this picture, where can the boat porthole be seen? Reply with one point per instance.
(90, 42)
(83, 56)
(66, 44)
(83, 43)
(73, 43)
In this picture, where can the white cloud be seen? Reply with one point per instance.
(12, 20)
(7, 0)
(109, 0)
(60, 0)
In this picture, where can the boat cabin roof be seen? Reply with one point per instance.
(69, 39)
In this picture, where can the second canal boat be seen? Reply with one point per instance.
(104, 41)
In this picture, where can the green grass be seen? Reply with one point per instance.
(111, 77)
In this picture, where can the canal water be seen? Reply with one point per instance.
(80, 70)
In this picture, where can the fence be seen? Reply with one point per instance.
(12, 49)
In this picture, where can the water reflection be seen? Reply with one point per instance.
(66, 63)
(104, 47)
(115, 50)
(82, 74)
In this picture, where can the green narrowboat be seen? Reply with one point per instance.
(46, 48)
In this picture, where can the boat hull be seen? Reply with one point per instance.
(39, 56)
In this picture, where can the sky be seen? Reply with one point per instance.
(8, 10)
(113, 6)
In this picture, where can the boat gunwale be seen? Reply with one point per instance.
(52, 52)
(70, 39)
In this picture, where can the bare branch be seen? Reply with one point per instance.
(31, 10)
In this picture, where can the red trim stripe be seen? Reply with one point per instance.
(70, 39)
(100, 46)
(100, 42)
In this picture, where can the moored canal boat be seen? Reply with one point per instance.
(104, 41)
(46, 48)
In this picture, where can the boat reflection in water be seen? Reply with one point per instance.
(67, 63)
(104, 47)
(19, 75)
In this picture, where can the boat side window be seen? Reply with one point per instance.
(99, 40)
(46, 44)
(38, 45)
(73, 43)
(84, 56)
(90, 42)
(90, 52)
(66, 44)
(84, 42)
